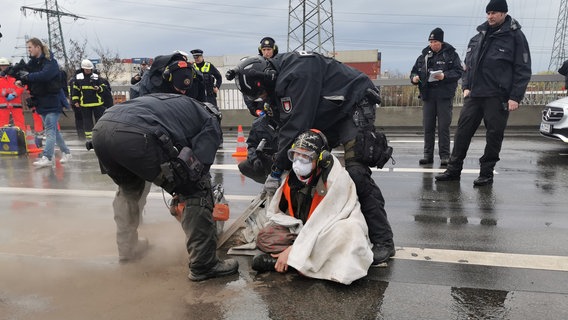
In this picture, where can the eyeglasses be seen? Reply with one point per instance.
(303, 156)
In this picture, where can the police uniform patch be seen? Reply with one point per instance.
(286, 104)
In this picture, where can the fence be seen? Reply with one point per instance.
(396, 93)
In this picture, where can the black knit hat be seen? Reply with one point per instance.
(497, 6)
(437, 34)
(267, 42)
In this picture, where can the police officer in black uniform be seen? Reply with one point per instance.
(309, 90)
(497, 72)
(171, 140)
(436, 73)
(211, 76)
(262, 143)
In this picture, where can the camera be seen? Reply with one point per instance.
(31, 102)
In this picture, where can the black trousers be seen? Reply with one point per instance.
(494, 117)
(88, 113)
(368, 192)
(437, 110)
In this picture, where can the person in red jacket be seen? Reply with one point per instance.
(10, 98)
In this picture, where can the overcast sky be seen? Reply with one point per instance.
(398, 29)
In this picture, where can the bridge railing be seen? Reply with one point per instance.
(396, 93)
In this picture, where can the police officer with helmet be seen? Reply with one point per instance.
(170, 140)
(309, 90)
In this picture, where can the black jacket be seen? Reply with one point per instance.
(44, 83)
(446, 60)
(500, 65)
(313, 91)
(182, 119)
(262, 128)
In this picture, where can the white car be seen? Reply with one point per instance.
(554, 123)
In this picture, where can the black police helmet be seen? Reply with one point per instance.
(255, 75)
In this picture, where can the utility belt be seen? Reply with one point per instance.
(370, 147)
(181, 169)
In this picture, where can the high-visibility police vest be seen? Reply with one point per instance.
(205, 69)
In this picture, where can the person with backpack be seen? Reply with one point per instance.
(436, 73)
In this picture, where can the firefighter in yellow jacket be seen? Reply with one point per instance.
(87, 93)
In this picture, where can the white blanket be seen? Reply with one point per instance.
(334, 243)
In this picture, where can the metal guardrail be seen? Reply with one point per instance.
(398, 93)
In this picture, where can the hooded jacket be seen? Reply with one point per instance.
(499, 65)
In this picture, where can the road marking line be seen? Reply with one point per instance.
(234, 167)
(493, 259)
(96, 193)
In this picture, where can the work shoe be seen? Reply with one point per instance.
(43, 162)
(483, 181)
(382, 252)
(426, 161)
(138, 252)
(444, 161)
(65, 158)
(263, 262)
(221, 269)
(447, 176)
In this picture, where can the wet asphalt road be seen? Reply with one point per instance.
(495, 252)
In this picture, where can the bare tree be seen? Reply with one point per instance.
(110, 66)
(76, 53)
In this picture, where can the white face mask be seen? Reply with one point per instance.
(301, 169)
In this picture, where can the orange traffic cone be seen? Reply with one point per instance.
(241, 144)
(30, 141)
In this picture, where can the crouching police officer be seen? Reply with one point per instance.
(171, 140)
(262, 143)
(309, 90)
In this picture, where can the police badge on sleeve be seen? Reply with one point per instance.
(286, 104)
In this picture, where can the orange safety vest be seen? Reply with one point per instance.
(315, 200)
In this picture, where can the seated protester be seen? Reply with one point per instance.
(333, 243)
(258, 164)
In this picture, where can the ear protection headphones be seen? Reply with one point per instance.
(274, 46)
(167, 74)
(324, 158)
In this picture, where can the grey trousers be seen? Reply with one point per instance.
(440, 111)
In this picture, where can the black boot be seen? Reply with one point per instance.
(447, 176)
(382, 252)
(263, 262)
(221, 269)
(483, 180)
(426, 160)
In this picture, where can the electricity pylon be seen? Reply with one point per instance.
(559, 46)
(310, 26)
(56, 41)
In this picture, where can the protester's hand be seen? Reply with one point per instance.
(282, 260)
(10, 97)
(271, 185)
